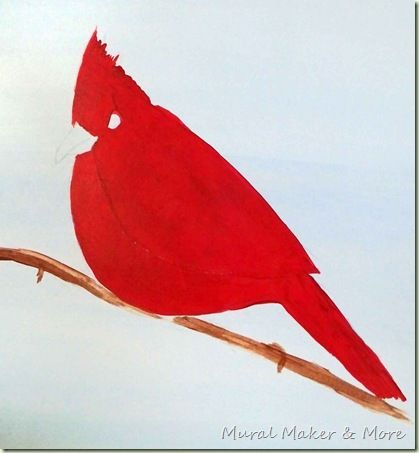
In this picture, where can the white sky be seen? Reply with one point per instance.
(313, 101)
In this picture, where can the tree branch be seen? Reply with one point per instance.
(272, 352)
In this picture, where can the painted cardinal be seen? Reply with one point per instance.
(171, 227)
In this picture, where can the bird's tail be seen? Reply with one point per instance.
(313, 309)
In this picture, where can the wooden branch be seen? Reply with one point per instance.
(272, 352)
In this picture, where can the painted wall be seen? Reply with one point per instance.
(313, 101)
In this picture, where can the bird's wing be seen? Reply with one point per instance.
(178, 198)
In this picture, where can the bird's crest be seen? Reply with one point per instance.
(96, 54)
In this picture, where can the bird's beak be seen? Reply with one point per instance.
(74, 142)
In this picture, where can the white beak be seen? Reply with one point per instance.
(76, 141)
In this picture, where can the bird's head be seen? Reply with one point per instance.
(94, 102)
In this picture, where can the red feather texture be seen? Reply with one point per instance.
(168, 225)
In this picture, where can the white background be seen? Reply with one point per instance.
(313, 101)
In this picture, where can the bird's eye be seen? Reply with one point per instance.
(114, 121)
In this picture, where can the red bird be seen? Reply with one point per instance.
(168, 225)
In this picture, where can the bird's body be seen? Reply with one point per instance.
(167, 224)
(183, 213)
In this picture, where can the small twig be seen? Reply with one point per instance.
(39, 275)
(281, 364)
(272, 352)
